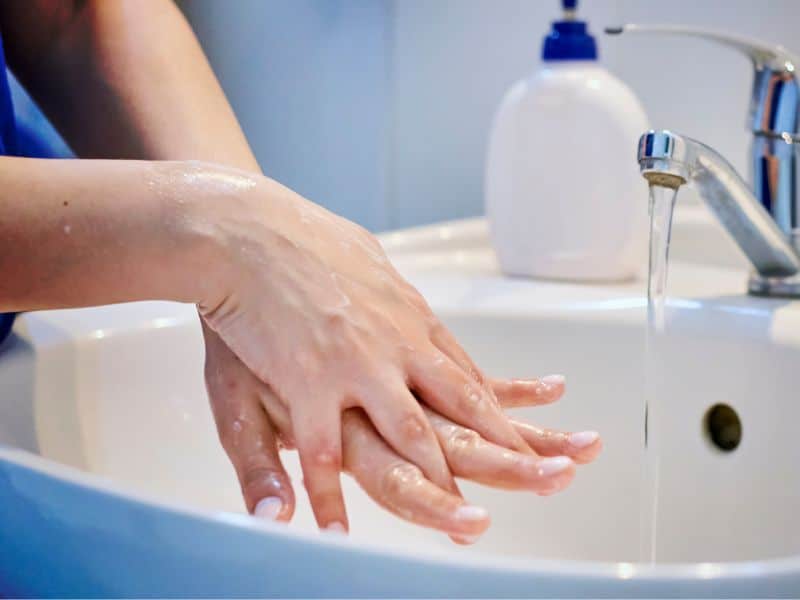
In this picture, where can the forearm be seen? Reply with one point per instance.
(82, 233)
(124, 79)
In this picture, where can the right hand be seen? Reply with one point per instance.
(312, 306)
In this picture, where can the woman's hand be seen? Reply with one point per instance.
(251, 422)
(311, 305)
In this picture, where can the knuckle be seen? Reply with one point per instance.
(325, 457)
(413, 426)
(463, 440)
(470, 400)
(255, 480)
(398, 478)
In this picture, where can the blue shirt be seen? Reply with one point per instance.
(8, 146)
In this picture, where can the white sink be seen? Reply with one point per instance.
(112, 481)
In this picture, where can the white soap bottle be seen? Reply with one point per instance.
(564, 197)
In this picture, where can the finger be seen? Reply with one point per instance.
(472, 457)
(278, 415)
(247, 434)
(512, 393)
(446, 388)
(446, 342)
(582, 447)
(318, 434)
(401, 488)
(399, 418)
(249, 441)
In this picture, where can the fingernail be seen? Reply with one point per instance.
(336, 527)
(468, 512)
(268, 508)
(552, 466)
(469, 539)
(583, 439)
(553, 380)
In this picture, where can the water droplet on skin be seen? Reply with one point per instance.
(218, 179)
(460, 437)
(408, 474)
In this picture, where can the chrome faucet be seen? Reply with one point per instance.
(763, 219)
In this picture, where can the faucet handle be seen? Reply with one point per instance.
(775, 101)
(763, 55)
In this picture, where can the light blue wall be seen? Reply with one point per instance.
(380, 109)
(308, 80)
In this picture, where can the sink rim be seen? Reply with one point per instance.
(490, 563)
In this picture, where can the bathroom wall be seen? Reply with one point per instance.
(309, 82)
(380, 109)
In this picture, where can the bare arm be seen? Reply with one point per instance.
(123, 79)
(80, 233)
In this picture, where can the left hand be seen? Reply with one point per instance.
(253, 425)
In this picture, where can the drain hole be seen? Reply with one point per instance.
(723, 427)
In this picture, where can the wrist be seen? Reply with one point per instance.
(208, 203)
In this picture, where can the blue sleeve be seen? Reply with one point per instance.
(6, 321)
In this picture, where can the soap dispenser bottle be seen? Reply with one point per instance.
(564, 198)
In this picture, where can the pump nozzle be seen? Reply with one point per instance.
(570, 9)
(569, 38)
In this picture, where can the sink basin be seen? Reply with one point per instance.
(112, 481)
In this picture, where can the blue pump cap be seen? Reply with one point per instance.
(569, 39)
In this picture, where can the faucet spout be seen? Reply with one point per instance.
(671, 160)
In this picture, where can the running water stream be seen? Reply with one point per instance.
(662, 203)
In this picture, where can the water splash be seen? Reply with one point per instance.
(662, 204)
